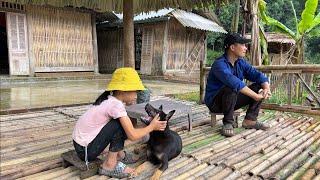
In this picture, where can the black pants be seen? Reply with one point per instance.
(112, 133)
(227, 101)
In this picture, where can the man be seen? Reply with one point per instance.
(226, 91)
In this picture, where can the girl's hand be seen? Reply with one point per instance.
(158, 125)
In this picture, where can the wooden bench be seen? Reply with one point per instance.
(214, 118)
(137, 110)
(71, 158)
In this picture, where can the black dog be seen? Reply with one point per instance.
(162, 145)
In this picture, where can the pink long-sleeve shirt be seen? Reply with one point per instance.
(95, 118)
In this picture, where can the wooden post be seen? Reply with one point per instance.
(30, 46)
(290, 89)
(202, 82)
(165, 48)
(128, 34)
(94, 44)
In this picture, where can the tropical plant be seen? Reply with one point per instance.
(308, 23)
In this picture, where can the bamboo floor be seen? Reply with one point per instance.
(32, 143)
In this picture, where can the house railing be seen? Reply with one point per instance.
(295, 88)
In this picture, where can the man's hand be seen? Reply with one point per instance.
(266, 93)
(258, 97)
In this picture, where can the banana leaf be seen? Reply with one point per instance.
(315, 23)
(273, 22)
(308, 15)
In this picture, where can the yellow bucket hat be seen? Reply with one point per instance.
(125, 79)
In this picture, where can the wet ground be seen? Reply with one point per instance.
(54, 93)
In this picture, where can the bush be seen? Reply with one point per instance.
(211, 56)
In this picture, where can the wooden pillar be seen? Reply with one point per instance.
(202, 82)
(128, 34)
(165, 48)
(30, 46)
(94, 44)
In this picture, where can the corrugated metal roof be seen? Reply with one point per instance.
(192, 20)
(148, 15)
(187, 19)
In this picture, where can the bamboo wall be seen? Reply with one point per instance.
(110, 50)
(181, 41)
(158, 41)
(61, 39)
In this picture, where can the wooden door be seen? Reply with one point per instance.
(146, 51)
(17, 44)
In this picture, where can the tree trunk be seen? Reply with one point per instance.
(255, 42)
(128, 34)
(235, 20)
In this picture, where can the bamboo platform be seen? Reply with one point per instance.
(32, 143)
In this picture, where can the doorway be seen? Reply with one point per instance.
(138, 46)
(4, 60)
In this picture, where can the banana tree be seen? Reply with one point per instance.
(309, 21)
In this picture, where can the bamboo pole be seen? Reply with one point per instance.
(203, 171)
(181, 170)
(22, 171)
(283, 152)
(233, 176)
(280, 164)
(191, 172)
(304, 68)
(299, 172)
(222, 174)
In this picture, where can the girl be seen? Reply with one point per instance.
(106, 122)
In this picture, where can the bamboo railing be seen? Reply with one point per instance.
(291, 86)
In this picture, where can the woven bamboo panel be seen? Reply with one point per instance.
(61, 39)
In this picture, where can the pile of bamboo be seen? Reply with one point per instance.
(31, 145)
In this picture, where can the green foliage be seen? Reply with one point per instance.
(212, 55)
(308, 16)
(273, 22)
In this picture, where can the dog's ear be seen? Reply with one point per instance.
(170, 114)
(160, 108)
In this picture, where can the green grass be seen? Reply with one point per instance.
(191, 96)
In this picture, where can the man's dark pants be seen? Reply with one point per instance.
(227, 101)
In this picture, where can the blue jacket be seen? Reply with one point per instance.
(222, 74)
